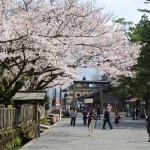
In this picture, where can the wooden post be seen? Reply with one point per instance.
(38, 125)
(1, 118)
(101, 98)
(36, 117)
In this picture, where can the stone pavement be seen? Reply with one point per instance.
(130, 135)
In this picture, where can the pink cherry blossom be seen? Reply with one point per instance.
(55, 39)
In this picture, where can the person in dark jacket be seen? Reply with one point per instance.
(98, 112)
(133, 113)
(148, 126)
(137, 113)
(84, 116)
(107, 118)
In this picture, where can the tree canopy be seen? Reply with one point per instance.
(42, 43)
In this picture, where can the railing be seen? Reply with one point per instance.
(11, 117)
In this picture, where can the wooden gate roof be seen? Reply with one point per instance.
(30, 97)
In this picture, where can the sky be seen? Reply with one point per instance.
(121, 9)
(88, 73)
(124, 8)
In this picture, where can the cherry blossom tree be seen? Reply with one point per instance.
(43, 43)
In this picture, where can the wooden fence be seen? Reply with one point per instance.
(11, 117)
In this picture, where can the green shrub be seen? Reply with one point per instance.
(17, 141)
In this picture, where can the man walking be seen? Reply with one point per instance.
(73, 115)
(84, 116)
(98, 112)
(137, 113)
(133, 113)
(107, 118)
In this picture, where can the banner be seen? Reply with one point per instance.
(57, 101)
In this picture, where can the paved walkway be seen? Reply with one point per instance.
(130, 135)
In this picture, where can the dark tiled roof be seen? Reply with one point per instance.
(23, 97)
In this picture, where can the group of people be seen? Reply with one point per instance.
(94, 115)
(135, 113)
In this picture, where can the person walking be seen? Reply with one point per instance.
(117, 117)
(73, 115)
(84, 116)
(91, 122)
(137, 111)
(133, 113)
(98, 112)
(107, 118)
(148, 125)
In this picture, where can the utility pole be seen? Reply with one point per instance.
(60, 95)
(60, 101)
(74, 89)
(54, 96)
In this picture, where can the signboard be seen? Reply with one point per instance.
(89, 100)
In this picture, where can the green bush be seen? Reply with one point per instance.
(17, 141)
